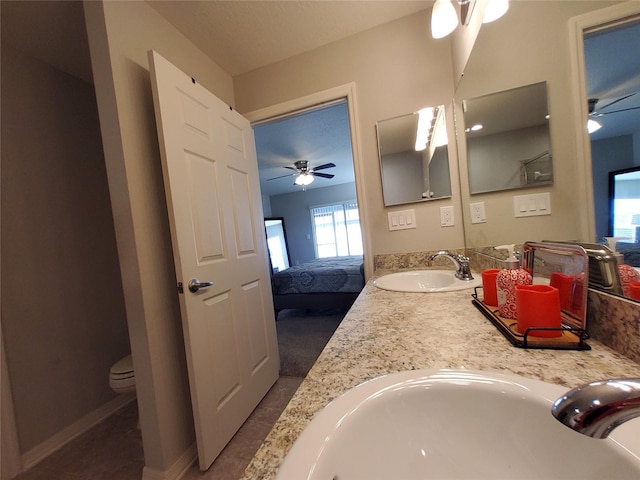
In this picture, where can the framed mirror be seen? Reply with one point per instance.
(513, 53)
(414, 157)
(277, 244)
(508, 139)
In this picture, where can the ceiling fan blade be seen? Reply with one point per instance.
(281, 176)
(323, 175)
(322, 167)
(614, 102)
(291, 168)
(618, 111)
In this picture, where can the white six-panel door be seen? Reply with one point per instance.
(215, 211)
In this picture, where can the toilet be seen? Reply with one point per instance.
(121, 376)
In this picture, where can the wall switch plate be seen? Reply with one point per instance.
(477, 213)
(532, 205)
(402, 219)
(446, 216)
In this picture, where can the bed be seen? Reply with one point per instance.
(333, 282)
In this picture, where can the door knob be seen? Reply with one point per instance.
(195, 285)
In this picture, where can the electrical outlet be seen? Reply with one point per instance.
(446, 216)
(477, 213)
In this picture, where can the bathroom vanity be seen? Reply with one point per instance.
(387, 332)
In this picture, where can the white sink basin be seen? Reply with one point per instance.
(425, 281)
(454, 424)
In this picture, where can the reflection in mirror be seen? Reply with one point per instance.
(513, 53)
(624, 190)
(565, 267)
(609, 268)
(414, 158)
(508, 139)
(614, 103)
(277, 244)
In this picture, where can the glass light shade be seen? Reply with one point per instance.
(593, 126)
(303, 179)
(494, 10)
(444, 19)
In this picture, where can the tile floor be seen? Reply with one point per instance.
(112, 450)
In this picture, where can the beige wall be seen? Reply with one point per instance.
(397, 69)
(120, 36)
(537, 50)
(63, 315)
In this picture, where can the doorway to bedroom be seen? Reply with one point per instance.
(315, 137)
(307, 177)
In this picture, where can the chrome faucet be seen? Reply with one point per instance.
(595, 409)
(463, 271)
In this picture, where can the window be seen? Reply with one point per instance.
(336, 230)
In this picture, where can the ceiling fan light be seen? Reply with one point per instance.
(593, 125)
(303, 179)
(444, 19)
(494, 10)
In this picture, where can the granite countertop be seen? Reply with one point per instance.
(387, 332)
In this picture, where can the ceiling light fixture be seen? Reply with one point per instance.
(444, 18)
(494, 10)
(475, 128)
(303, 179)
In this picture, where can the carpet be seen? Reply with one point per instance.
(302, 335)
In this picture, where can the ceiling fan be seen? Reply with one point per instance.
(304, 174)
(593, 125)
(597, 113)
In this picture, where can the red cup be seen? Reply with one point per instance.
(538, 306)
(564, 284)
(634, 290)
(489, 291)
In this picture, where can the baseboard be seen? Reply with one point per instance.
(175, 471)
(57, 441)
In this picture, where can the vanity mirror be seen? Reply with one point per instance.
(514, 53)
(508, 139)
(414, 158)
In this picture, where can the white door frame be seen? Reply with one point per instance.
(348, 92)
(577, 27)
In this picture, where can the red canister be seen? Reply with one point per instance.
(538, 306)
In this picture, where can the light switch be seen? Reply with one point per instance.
(532, 205)
(401, 219)
(542, 204)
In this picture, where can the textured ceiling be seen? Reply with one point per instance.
(319, 136)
